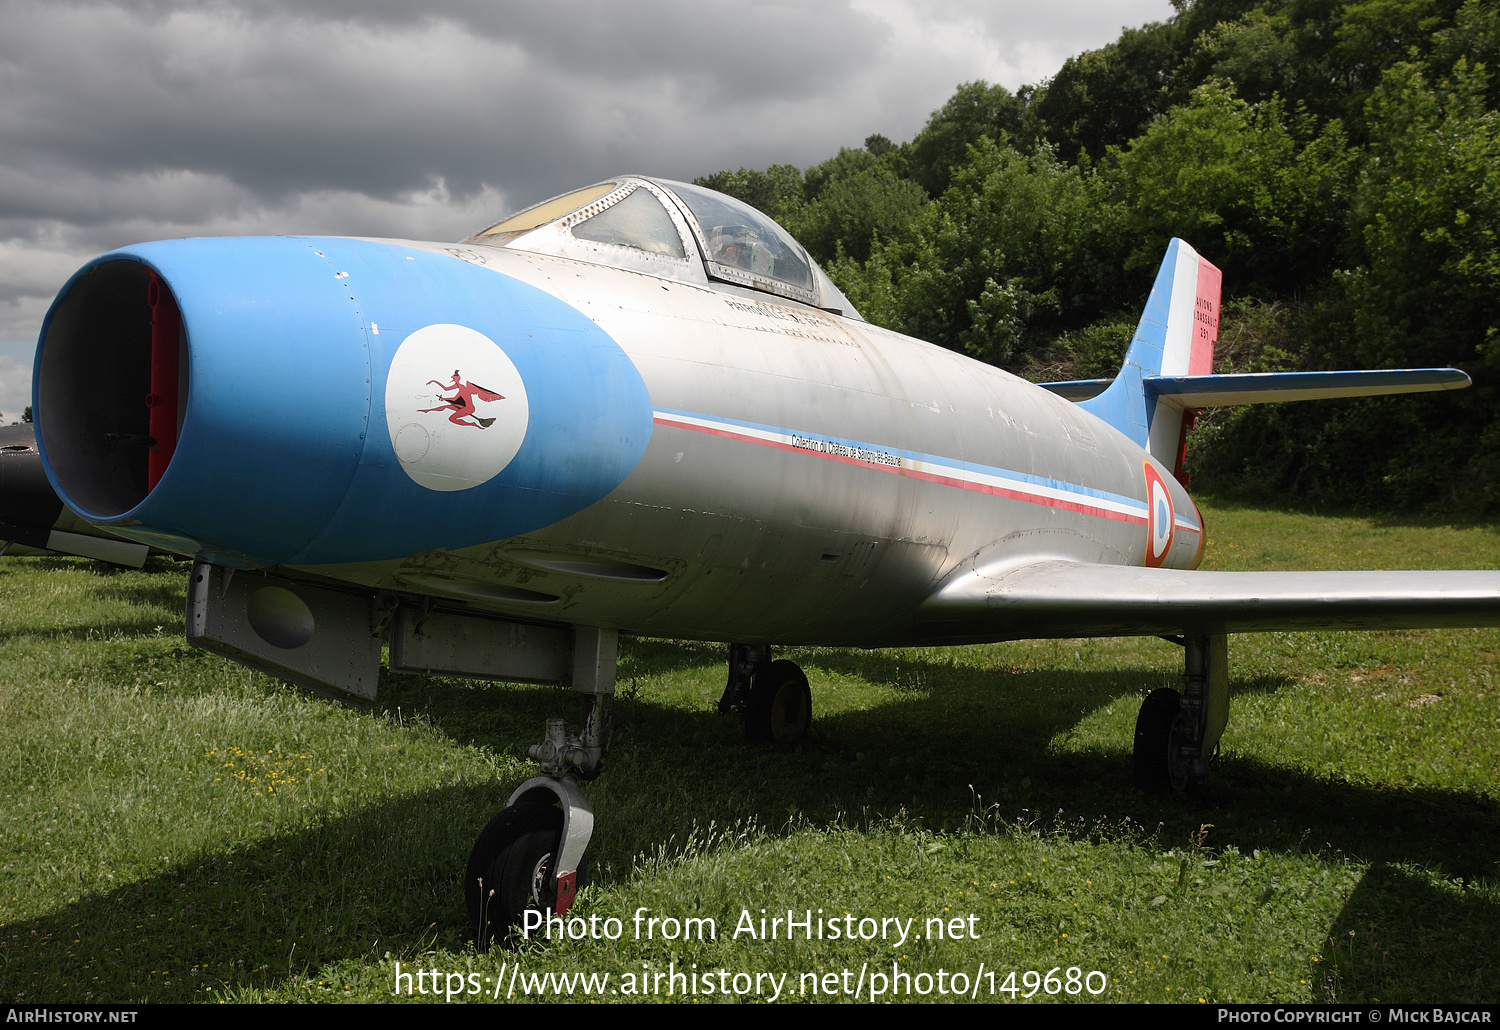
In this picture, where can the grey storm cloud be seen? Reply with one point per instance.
(146, 119)
(730, 53)
(303, 96)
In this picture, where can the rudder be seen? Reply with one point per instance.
(1175, 337)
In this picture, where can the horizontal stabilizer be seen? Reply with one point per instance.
(1267, 387)
(1077, 599)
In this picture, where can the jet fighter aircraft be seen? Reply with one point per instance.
(641, 407)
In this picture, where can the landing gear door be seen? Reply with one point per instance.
(316, 638)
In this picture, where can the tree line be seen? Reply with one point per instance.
(1340, 161)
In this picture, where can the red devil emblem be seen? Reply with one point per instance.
(462, 402)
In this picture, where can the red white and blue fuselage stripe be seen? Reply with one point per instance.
(932, 468)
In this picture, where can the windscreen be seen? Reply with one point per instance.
(741, 243)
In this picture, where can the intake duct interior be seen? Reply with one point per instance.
(112, 386)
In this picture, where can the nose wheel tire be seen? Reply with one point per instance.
(779, 708)
(511, 870)
(1154, 739)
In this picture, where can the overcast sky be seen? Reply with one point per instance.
(128, 121)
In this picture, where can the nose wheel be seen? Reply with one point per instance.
(509, 869)
(530, 856)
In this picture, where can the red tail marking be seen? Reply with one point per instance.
(1205, 319)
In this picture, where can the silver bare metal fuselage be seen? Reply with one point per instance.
(810, 479)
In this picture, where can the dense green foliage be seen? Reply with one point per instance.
(1338, 159)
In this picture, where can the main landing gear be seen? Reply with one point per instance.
(1175, 733)
(773, 697)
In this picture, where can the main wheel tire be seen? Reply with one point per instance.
(510, 870)
(1153, 740)
(779, 708)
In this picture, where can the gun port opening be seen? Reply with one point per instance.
(112, 386)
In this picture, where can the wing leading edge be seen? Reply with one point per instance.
(1078, 599)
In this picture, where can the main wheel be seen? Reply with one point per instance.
(779, 708)
(510, 870)
(1153, 740)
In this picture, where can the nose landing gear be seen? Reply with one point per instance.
(531, 855)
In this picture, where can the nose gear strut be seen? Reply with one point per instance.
(532, 855)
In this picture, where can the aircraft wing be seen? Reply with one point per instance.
(1077, 599)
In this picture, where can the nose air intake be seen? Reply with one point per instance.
(240, 400)
(204, 395)
(112, 379)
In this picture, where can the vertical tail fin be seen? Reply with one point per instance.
(1175, 337)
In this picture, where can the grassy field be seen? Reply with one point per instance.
(175, 828)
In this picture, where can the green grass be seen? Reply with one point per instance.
(175, 828)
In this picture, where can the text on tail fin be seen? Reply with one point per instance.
(1175, 337)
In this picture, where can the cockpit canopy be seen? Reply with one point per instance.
(674, 230)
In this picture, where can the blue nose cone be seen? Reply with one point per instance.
(345, 400)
